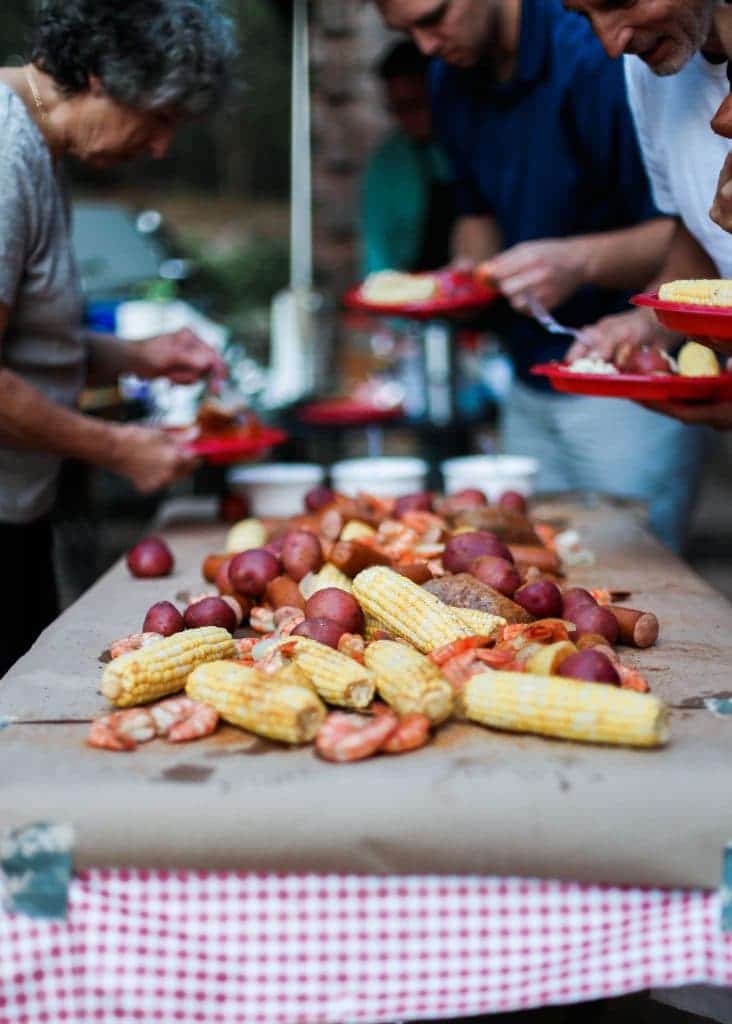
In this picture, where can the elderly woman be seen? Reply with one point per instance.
(107, 81)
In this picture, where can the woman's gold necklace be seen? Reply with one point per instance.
(40, 105)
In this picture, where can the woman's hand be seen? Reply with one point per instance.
(551, 270)
(617, 335)
(148, 458)
(181, 356)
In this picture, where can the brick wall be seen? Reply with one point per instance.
(348, 120)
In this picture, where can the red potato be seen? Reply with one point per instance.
(498, 573)
(318, 497)
(594, 619)
(469, 497)
(462, 550)
(164, 618)
(301, 554)
(420, 502)
(211, 611)
(574, 598)
(590, 665)
(338, 605)
(283, 592)
(513, 502)
(646, 359)
(542, 599)
(325, 631)
(233, 507)
(251, 571)
(275, 545)
(149, 558)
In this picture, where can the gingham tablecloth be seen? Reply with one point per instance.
(272, 949)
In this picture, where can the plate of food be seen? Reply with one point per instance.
(421, 296)
(226, 432)
(347, 412)
(700, 309)
(646, 374)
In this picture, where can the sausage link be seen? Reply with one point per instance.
(352, 558)
(637, 629)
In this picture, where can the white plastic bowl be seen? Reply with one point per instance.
(277, 488)
(492, 474)
(390, 476)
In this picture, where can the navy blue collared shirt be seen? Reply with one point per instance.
(550, 154)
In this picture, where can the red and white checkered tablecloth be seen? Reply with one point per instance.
(275, 949)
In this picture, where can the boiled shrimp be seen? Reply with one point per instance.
(449, 651)
(412, 732)
(545, 631)
(286, 619)
(346, 737)
(631, 679)
(180, 719)
(353, 646)
(133, 642)
(261, 619)
(122, 730)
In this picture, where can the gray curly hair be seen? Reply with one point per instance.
(148, 54)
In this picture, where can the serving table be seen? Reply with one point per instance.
(232, 879)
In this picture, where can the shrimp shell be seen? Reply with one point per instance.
(122, 730)
(133, 642)
(344, 737)
(180, 719)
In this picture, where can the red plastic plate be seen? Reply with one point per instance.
(649, 387)
(460, 292)
(711, 322)
(233, 447)
(345, 412)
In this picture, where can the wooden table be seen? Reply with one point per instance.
(474, 801)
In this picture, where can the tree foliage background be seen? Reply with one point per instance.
(244, 151)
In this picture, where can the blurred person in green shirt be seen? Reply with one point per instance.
(408, 208)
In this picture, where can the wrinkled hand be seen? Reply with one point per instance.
(707, 414)
(550, 269)
(181, 356)
(618, 334)
(721, 211)
(149, 459)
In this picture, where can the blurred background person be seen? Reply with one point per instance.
(408, 208)
(553, 195)
(104, 84)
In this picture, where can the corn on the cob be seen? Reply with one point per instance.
(356, 530)
(407, 610)
(546, 660)
(572, 710)
(161, 669)
(408, 681)
(372, 626)
(246, 534)
(337, 678)
(256, 702)
(712, 292)
(477, 622)
(329, 576)
(695, 360)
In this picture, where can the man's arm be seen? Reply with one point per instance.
(475, 239)
(685, 258)
(180, 356)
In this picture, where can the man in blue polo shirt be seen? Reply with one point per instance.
(553, 194)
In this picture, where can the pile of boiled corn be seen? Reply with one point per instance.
(290, 705)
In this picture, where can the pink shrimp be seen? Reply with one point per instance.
(601, 596)
(545, 631)
(447, 652)
(286, 619)
(631, 679)
(180, 719)
(346, 737)
(122, 730)
(426, 524)
(245, 646)
(412, 732)
(133, 642)
(353, 646)
(261, 619)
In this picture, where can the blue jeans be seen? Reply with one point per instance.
(612, 447)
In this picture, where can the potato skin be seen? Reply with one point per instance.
(590, 665)
(251, 571)
(341, 607)
(542, 599)
(594, 619)
(498, 573)
(301, 554)
(149, 558)
(164, 618)
(462, 550)
(325, 631)
(211, 611)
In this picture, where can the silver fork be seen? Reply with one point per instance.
(547, 321)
